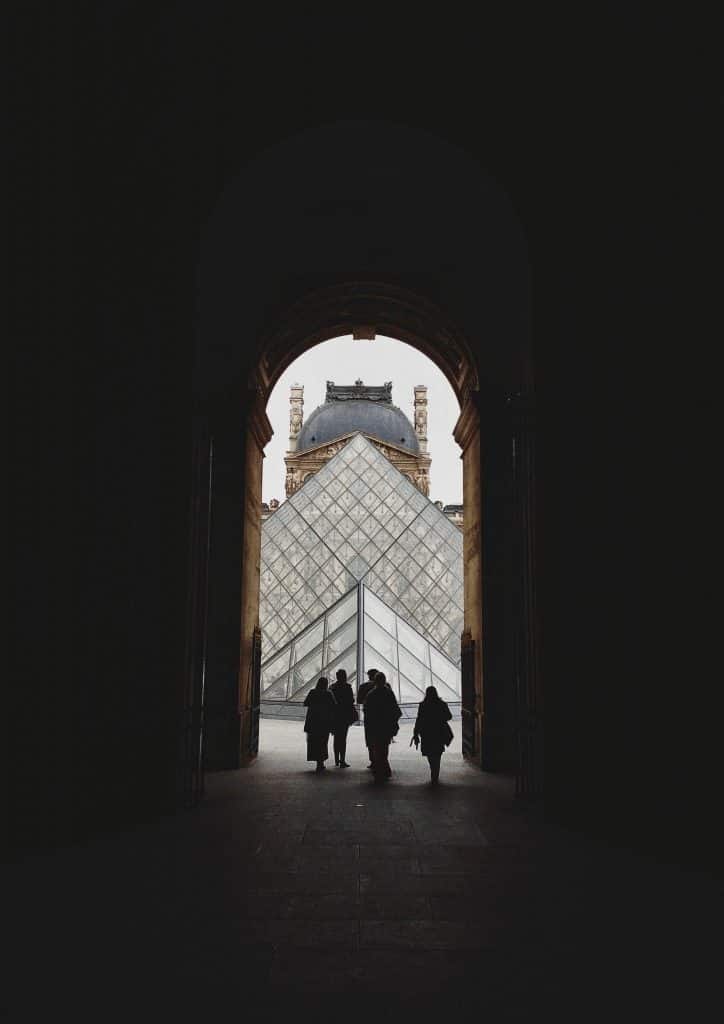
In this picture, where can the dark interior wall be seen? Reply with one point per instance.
(128, 131)
(222, 737)
(361, 200)
(623, 312)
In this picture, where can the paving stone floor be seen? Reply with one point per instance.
(325, 893)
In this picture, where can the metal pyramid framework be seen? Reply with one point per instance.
(358, 520)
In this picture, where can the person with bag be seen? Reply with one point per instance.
(319, 721)
(431, 726)
(382, 713)
(345, 714)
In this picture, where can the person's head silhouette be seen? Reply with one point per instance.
(341, 675)
(322, 683)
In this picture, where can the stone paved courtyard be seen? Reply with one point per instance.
(296, 890)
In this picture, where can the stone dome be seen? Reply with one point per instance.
(380, 419)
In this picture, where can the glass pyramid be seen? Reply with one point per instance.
(358, 520)
(409, 661)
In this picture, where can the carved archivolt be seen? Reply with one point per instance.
(340, 309)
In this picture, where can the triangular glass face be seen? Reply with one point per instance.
(324, 646)
(359, 518)
(410, 662)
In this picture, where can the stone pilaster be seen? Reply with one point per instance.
(467, 435)
(258, 433)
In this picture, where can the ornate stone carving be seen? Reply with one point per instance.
(296, 414)
(293, 480)
(359, 390)
(421, 416)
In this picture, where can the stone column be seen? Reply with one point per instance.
(221, 725)
(258, 433)
(296, 414)
(240, 431)
(467, 435)
(505, 703)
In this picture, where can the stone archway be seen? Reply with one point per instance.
(376, 308)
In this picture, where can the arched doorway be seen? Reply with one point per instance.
(345, 309)
(281, 299)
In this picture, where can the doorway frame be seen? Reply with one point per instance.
(363, 308)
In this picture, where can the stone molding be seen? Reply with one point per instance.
(468, 423)
(260, 429)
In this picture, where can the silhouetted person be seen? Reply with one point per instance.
(344, 715)
(361, 698)
(382, 713)
(431, 727)
(320, 705)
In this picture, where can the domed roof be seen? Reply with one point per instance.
(380, 419)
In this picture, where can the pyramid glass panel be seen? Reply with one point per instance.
(446, 692)
(307, 641)
(379, 611)
(373, 659)
(382, 641)
(410, 693)
(342, 638)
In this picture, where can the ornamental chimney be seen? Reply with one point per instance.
(421, 416)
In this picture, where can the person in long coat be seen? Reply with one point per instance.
(431, 727)
(344, 715)
(320, 705)
(362, 692)
(382, 713)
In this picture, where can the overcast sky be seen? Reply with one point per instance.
(343, 361)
